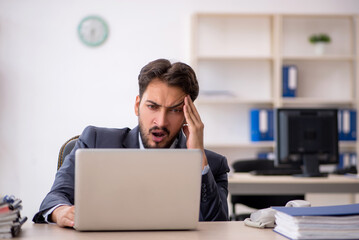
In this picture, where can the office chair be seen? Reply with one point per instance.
(65, 149)
(257, 201)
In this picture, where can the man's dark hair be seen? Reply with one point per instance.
(177, 74)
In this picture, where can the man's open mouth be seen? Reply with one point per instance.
(158, 136)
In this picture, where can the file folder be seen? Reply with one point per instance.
(335, 210)
(262, 124)
(266, 155)
(347, 124)
(347, 160)
(290, 79)
(328, 222)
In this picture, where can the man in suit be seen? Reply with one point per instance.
(167, 119)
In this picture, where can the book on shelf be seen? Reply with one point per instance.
(262, 125)
(347, 160)
(290, 79)
(326, 222)
(266, 155)
(347, 124)
(10, 217)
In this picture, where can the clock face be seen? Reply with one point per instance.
(93, 31)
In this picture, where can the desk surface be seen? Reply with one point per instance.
(206, 230)
(245, 183)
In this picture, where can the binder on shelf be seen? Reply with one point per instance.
(328, 222)
(266, 155)
(347, 124)
(290, 80)
(347, 160)
(262, 125)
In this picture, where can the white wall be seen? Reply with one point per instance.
(52, 86)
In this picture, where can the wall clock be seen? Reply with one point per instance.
(92, 31)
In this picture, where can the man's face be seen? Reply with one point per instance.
(160, 114)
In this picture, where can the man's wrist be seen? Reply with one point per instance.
(47, 214)
(53, 215)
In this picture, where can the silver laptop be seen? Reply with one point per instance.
(133, 189)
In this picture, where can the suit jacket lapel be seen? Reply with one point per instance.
(131, 140)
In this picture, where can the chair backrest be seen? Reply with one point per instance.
(65, 149)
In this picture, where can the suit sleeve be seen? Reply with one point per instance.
(214, 192)
(62, 191)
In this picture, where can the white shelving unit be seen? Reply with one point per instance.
(328, 79)
(239, 57)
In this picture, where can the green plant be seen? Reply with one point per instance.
(322, 37)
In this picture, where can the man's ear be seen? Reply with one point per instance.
(137, 104)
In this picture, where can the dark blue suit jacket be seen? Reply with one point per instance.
(214, 184)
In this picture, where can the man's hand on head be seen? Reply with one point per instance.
(64, 216)
(194, 128)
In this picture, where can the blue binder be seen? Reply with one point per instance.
(266, 155)
(344, 159)
(335, 210)
(347, 160)
(347, 124)
(290, 79)
(262, 124)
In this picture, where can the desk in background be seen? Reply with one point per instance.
(247, 184)
(205, 231)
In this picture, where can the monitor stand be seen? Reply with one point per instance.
(311, 167)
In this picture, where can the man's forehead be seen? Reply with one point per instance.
(162, 94)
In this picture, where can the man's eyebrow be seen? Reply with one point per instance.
(174, 106)
(152, 102)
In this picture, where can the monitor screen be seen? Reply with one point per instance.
(306, 137)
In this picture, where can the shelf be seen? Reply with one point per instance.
(320, 58)
(317, 16)
(214, 35)
(249, 145)
(238, 59)
(234, 58)
(232, 100)
(317, 101)
(347, 145)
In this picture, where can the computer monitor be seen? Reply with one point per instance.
(307, 138)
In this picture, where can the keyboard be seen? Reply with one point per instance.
(276, 172)
(345, 171)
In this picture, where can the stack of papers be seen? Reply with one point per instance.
(329, 222)
(10, 218)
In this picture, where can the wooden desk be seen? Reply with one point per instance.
(245, 183)
(205, 231)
